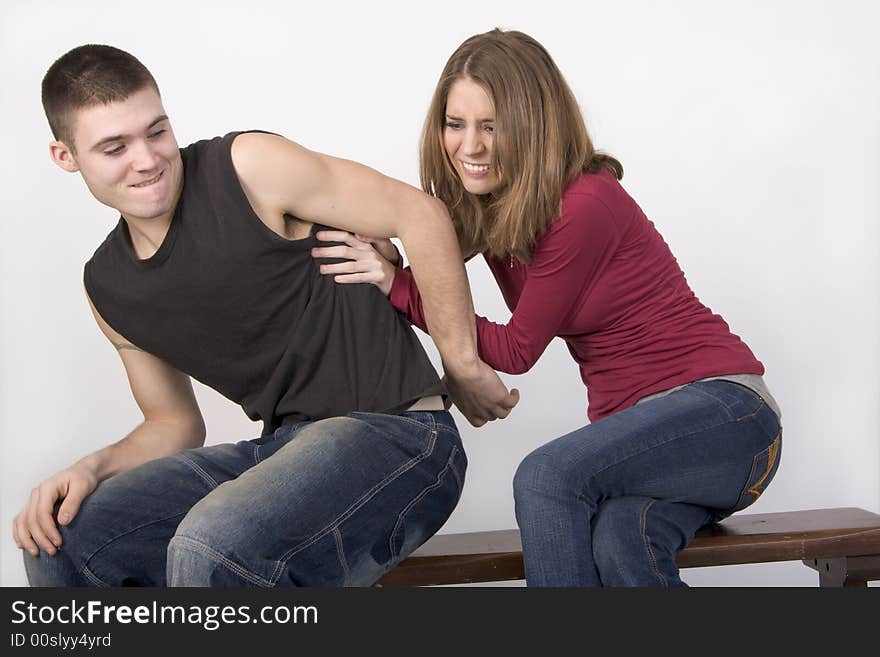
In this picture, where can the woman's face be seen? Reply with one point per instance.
(467, 137)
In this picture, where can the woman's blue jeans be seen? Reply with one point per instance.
(610, 504)
(337, 502)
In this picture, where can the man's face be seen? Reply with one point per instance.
(127, 155)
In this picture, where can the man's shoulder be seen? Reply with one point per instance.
(110, 242)
(207, 146)
(216, 149)
(105, 258)
(226, 140)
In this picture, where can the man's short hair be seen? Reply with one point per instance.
(86, 76)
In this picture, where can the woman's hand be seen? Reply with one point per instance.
(369, 260)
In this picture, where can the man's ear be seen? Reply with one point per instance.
(62, 155)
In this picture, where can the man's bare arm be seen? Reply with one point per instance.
(172, 422)
(172, 418)
(281, 177)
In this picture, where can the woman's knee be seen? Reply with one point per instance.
(541, 474)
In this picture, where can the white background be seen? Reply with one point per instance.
(749, 132)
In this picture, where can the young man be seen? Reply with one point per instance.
(208, 274)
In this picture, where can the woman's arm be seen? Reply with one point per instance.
(566, 263)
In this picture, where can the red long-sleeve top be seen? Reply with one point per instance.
(603, 280)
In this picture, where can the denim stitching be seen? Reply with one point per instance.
(738, 506)
(359, 503)
(772, 455)
(458, 477)
(124, 534)
(213, 555)
(208, 479)
(94, 579)
(398, 526)
(340, 552)
(670, 439)
(257, 458)
(752, 488)
(366, 497)
(755, 396)
(644, 531)
(582, 494)
(430, 426)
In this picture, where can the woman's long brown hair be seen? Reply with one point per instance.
(541, 144)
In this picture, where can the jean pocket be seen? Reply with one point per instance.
(764, 466)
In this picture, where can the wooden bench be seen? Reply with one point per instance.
(843, 545)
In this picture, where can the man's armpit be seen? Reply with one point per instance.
(125, 345)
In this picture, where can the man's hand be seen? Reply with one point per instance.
(35, 527)
(480, 394)
(369, 260)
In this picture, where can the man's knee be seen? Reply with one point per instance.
(212, 547)
(38, 569)
(60, 569)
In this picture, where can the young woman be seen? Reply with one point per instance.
(682, 431)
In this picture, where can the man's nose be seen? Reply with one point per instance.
(144, 157)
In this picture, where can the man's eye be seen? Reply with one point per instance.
(114, 151)
(157, 133)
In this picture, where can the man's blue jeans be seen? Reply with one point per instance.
(337, 502)
(610, 504)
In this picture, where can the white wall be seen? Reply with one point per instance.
(749, 132)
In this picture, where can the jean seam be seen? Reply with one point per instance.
(745, 488)
(745, 387)
(432, 426)
(750, 487)
(425, 491)
(212, 554)
(772, 456)
(458, 478)
(755, 396)
(643, 528)
(357, 504)
(257, 457)
(120, 536)
(208, 479)
(94, 579)
(340, 553)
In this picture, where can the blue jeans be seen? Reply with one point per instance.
(610, 504)
(337, 502)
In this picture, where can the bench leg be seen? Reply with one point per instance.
(846, 571)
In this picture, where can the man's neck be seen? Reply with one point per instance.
(147, 235)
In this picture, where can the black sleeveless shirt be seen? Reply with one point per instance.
(245, 311)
